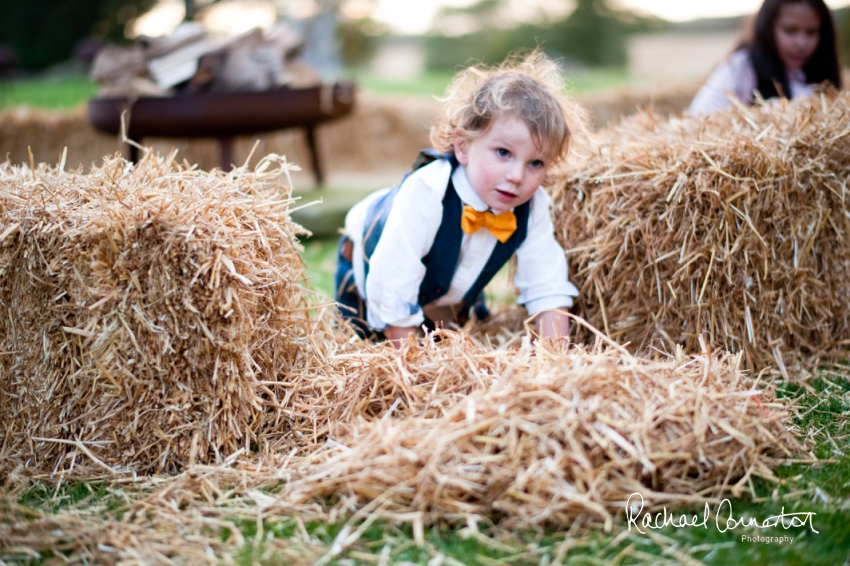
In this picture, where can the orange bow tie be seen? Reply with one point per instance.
(501, 225)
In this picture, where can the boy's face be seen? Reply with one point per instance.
(504, 166)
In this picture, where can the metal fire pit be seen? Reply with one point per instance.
(225, 116)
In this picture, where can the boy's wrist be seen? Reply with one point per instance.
(398, 335)
(553, 325)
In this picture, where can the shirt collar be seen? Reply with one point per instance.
(465, 191)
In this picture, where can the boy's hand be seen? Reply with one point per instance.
(397, 335)
(553, 326)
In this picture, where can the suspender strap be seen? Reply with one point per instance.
(376, 217)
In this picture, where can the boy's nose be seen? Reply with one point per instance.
(514, 174)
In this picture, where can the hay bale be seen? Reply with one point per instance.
(732, 227)
(48, 132)
(533, 435)
(141, 308)
(348, 381)
(444, 430)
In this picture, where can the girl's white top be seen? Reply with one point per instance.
(737, 76)
(396, 270)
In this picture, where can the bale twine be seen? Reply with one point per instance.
(732, 227)
(141, 309)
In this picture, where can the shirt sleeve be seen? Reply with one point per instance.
(541, 275)
(396, 270)
(355, 221)
(735, 76)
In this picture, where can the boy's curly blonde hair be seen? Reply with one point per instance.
(530, 86)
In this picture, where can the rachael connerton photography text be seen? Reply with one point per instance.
(724, 519)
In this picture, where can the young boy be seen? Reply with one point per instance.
(423, 251)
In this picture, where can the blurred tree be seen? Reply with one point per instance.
(191, 10)
(195, 6)
(358, 34)
(44, 32)
(843, 21)
(359, 40)
(593, 34)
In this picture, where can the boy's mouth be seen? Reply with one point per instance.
(505, 195)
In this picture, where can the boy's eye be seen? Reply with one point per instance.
(502, 152)
(537, 163)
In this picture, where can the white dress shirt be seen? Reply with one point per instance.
(736, 75)
(396, 270)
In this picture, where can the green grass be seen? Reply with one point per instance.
(53, 93)
(430, 83)
(320, 257)
(433, 83)
(594, 80)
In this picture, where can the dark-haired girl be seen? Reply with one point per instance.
(792, 48)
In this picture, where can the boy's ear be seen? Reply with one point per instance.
(461, 146)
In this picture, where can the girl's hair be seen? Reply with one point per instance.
(821, 67)
(530, 86)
